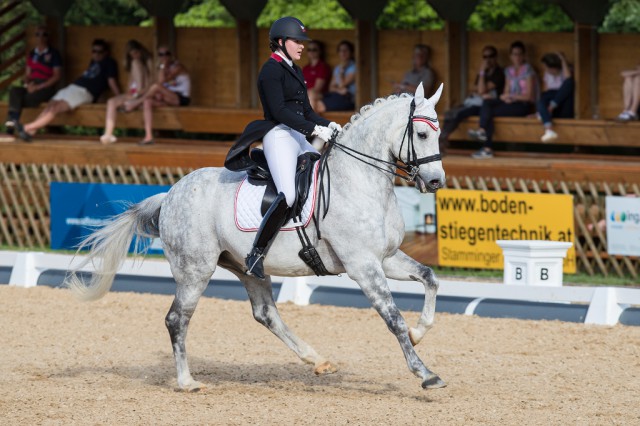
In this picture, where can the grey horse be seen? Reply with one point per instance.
(360, 234)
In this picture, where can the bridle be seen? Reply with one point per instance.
(410, 167)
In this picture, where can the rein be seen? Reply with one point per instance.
(411, 167)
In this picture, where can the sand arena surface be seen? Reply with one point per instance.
(109, 362)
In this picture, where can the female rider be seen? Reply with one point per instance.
(288, 121)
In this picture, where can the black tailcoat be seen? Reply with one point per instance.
(283, 94)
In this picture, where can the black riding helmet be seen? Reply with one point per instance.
(286, 28)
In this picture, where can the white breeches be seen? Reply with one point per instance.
(282, 146)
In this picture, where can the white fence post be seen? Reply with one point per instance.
(604, 308)
(296, 290)
(24, 272)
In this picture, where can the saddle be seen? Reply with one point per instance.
(261, 176)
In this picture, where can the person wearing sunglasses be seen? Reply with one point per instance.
(316, 73)
(101, 74)
(43, 71)
(489, 84)
(288, 121)
(173, 88)
(517, 99)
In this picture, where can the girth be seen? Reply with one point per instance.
(260, 175)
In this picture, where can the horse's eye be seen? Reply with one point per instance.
(422, 135)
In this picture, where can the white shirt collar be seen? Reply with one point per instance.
(287, 60)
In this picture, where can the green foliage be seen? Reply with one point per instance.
(623, 16)
(105, 12)
(313, 13)
(409, 14)
(518, 15)
(209, 13)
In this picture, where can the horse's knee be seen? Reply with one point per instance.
(261, 314)
(172, 321)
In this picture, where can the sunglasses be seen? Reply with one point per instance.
(488, 56)
(164, 53)
(41, 34)
(99, 51)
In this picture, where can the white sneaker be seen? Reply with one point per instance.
(549, 136)
(625, 116)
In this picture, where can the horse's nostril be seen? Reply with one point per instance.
(435, 183)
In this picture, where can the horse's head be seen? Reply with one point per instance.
(421, 150)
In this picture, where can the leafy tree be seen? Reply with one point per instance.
(209, 13)
(518, 15)
(105, 12)
(409, 14)
(623, 16)
(314, 13)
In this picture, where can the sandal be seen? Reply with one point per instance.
(147, 142)
(107, 140)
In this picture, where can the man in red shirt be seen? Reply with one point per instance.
(43, 71)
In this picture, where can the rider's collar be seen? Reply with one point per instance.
(284, 58)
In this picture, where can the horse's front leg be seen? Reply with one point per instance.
(404, 268)
(266, 313)
(370, 277)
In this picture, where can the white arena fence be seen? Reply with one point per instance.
(590, 305)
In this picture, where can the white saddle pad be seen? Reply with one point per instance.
(249, 200)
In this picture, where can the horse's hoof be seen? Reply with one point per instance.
(324, 368)
(191, 387)
(433, 382)
(415, 336)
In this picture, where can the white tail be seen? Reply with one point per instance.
(108, 247)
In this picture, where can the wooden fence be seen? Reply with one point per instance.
(25, 209)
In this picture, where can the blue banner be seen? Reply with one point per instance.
(77, 208)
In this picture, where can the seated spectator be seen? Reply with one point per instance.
(516, 100)
(101, 74)
(420, 72)
(43, 71)
(316, 73)
(556, 101)
(630, 95)
(342, 90)
(173, 88)
(489, 84)
(139, 64)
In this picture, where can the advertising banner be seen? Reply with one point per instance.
(77, 208)
(623, 225)
(470, 222)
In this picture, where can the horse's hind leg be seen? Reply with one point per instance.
(402, 267)
(188, 293)
(266, 313)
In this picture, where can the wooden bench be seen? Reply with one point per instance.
(194, 119)
(570, 132)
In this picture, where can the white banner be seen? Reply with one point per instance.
(623, 225)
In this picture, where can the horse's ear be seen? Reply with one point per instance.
(419, 96)
(436, 96)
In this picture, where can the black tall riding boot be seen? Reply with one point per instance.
(272, 221)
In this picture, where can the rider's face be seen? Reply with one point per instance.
(295, 48)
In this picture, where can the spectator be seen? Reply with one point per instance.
(139, 64)
(557, 98)
(515, 101)
(317, 73)
(101, 74)
(173, 88)
(489, 84)
(419, 73)
(43, 71)
(630, 95)
(342, 90)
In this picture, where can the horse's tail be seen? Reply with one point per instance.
(108, 247)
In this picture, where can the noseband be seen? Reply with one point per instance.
(410, 168)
